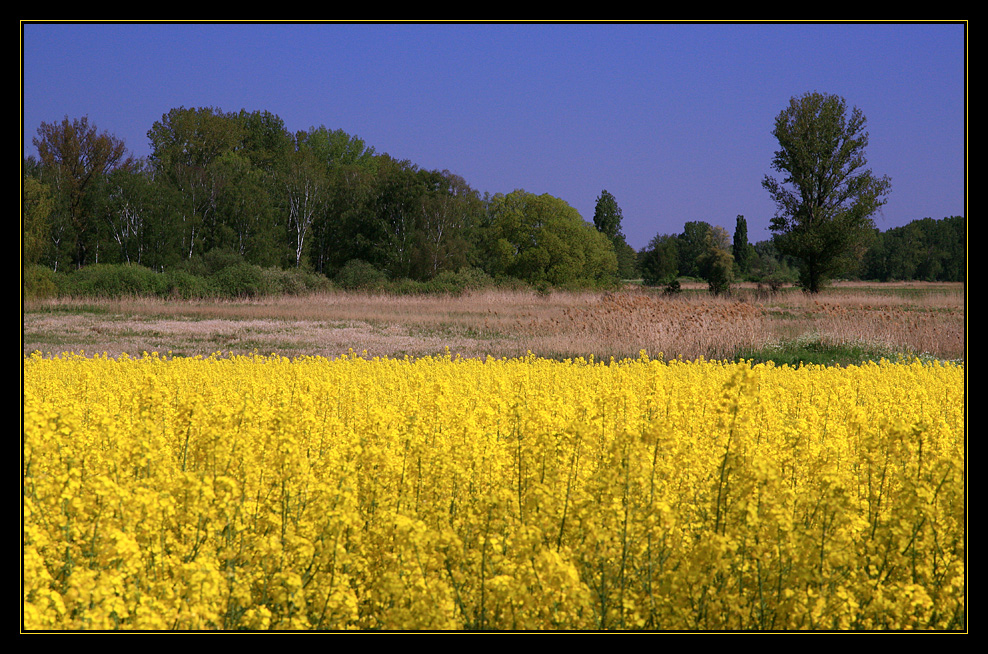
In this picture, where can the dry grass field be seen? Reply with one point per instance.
(874, 320)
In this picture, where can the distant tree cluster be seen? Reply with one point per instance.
(701, 251)
(922, 250)
(925, 249)
(237, 201)
(223, 189)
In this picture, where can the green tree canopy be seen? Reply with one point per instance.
(607, 219)
(542, 239)
(659, 260)
(826, 196)
(75, 158)
(692, 243)
(185, 144)
(36, 208)
(335, 148)
(715, 263)
(607, 216)
(926, 249)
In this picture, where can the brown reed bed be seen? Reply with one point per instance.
(924, 319)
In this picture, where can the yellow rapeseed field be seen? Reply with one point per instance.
(260, 492)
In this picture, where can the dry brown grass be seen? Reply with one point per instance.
(918, 319)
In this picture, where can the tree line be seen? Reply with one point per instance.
(926, 249)
(222, 191)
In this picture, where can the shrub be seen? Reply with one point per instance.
(240, 280)
(474, 278)
(405, 286)
(457, 282)
(186, 286)
(39, 282)
(294, 282)
(114, 280)
(359, 274)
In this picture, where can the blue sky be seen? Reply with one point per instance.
(674, 120)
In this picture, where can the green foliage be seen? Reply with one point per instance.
(264, 139)
(140, 219)
(741, 249)
(691, 244)
(607, 219)
(607, 216)
(35, 224)
(244, 217)
(771, 266)
(826, 198)
(242, 280)
(75, 159)
(228, 203)
(717, 265)
(212, 261)
(542, 240)
(445, 227)
(447, 282)
(293, 281)
(673, 287)
(813, 350)
(335, 148)
(39, 282)
(183, 285)
(186, 141)
(926, 249)
(456, 282)
(627, 259)
(112, 281)
(658, 262)
(236, 279)
(360, 275)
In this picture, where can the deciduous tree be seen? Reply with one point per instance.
(826, 196)
(76, 156)
(692, 243)
(184, 145)
(607, 216)
(36, 206)
(716, 263)
(543, 240)
(607, 219)
(659, 261)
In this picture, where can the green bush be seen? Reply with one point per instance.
(39, 282)
(358, 274)
(404, 286)
(241, 280)
(447, 282)
(294, 281)
(186, 286)
(673, 288)
(113, 280)
(464, 279)
(506, 283)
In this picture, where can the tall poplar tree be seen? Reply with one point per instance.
(741, 249)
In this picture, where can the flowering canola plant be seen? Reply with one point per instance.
(440, 493)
